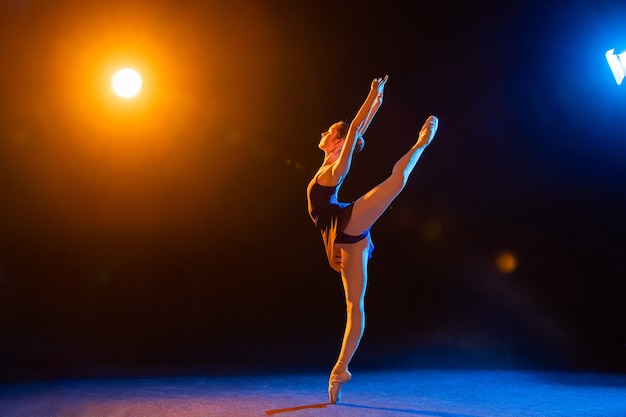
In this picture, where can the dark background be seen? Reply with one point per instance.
(170, 231)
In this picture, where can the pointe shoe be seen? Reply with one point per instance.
(427, 133)
(334, 385)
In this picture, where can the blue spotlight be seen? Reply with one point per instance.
(617, 62)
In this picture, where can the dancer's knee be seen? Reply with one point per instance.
(356, 312)
(355, 306)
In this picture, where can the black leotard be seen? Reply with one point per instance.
(331, 216)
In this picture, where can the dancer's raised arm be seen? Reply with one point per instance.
(378, 101)
(358, 126)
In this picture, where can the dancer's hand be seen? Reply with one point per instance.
(378, 85)
(335, 259)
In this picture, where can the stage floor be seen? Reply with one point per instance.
(431, 393)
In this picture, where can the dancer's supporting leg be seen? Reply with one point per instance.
(354, 258)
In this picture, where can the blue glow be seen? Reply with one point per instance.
(617, 62)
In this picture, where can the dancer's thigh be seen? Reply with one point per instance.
(354, 258)
(368, 208)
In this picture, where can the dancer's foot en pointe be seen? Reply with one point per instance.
(427, 133)
(335, 382)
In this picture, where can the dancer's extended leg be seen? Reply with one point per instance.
(372, 205)
(354, 258)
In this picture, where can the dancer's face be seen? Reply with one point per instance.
(330, 139)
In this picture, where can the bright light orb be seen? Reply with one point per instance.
(126, 83)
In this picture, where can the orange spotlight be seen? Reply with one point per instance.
(126, 83)
(506, 262)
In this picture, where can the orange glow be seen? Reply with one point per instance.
(158, 160)
(506, 262)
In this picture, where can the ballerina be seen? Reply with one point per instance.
(345, 226)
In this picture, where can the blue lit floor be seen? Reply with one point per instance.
(429, 393)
